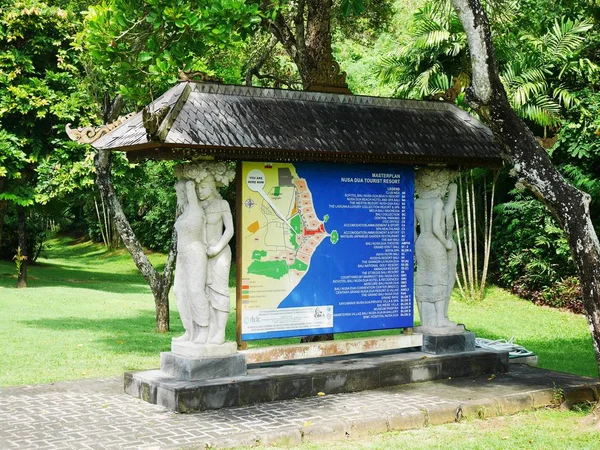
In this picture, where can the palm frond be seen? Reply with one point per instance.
(542, 110)
(432, 39)
(564, 96)
(566, 37)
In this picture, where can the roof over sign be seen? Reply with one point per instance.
(239, 122)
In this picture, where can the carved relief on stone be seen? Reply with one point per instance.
(435, 249)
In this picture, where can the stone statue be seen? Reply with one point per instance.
(204, 230)
(190, 275)
(435, 249)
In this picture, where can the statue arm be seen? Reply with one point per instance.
(451, 201)
(438, 208)
(449, 209)
(227, 233)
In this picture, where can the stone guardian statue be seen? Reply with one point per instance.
(435, 249)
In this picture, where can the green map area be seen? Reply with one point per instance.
(271, 269)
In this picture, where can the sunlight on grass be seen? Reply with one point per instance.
(561, 339)
(534, 430)
(89, 313)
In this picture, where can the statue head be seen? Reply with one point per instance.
(433, 182)
(222, 173)
(208, 175)
(206, 188)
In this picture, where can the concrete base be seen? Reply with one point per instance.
(191, 350)
(449, 343)
(331, 376)
(195, 369)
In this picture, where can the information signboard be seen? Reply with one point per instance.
(325, 248)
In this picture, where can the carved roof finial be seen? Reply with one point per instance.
(87, 135)
(327, 77)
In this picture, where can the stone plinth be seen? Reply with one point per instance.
(206, 368)
(443, 344)
(329, 375)
(191, 350)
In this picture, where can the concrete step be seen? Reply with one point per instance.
(275, 382)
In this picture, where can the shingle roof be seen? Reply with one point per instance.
(239, 122)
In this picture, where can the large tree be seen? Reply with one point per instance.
(39, 93)
(139, 47)
(530, 162)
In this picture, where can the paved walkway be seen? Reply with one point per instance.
(95, 414)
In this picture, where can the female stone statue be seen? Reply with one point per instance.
(219, 231)
(190, 276)
(202, 271)
(434, 248)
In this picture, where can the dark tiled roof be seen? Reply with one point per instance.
(238, 122)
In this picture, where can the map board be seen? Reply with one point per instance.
(325, 248)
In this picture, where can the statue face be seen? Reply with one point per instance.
(206, 188)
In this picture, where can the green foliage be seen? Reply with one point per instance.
(541, 68)
(141, 45)
(533, 256)
(435, 53)
(148, 199)
(40, 91)
(577, 150)
(533, 247)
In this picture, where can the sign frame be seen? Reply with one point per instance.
(409, 231)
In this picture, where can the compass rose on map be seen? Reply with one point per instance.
(249, 203)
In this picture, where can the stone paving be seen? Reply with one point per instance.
(96, 414)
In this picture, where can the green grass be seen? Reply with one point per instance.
(88, 313)
(534, 430)
(561, 339)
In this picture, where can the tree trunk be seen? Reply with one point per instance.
(160, 284)
(22, 251)
(306, 37)
(531, 164)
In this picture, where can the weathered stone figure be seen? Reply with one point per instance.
(190, 276)
(434, 248)
(204, 269)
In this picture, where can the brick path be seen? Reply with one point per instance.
(95, 414)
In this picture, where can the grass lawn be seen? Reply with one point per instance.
(534, 430)
(88, 313)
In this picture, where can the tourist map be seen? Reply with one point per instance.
(323, 247)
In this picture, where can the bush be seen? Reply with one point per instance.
(532, 256)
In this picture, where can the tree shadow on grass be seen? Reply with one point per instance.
(125, 335)
(42, 275)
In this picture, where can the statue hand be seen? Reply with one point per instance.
(449, 244)
(212, 250)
